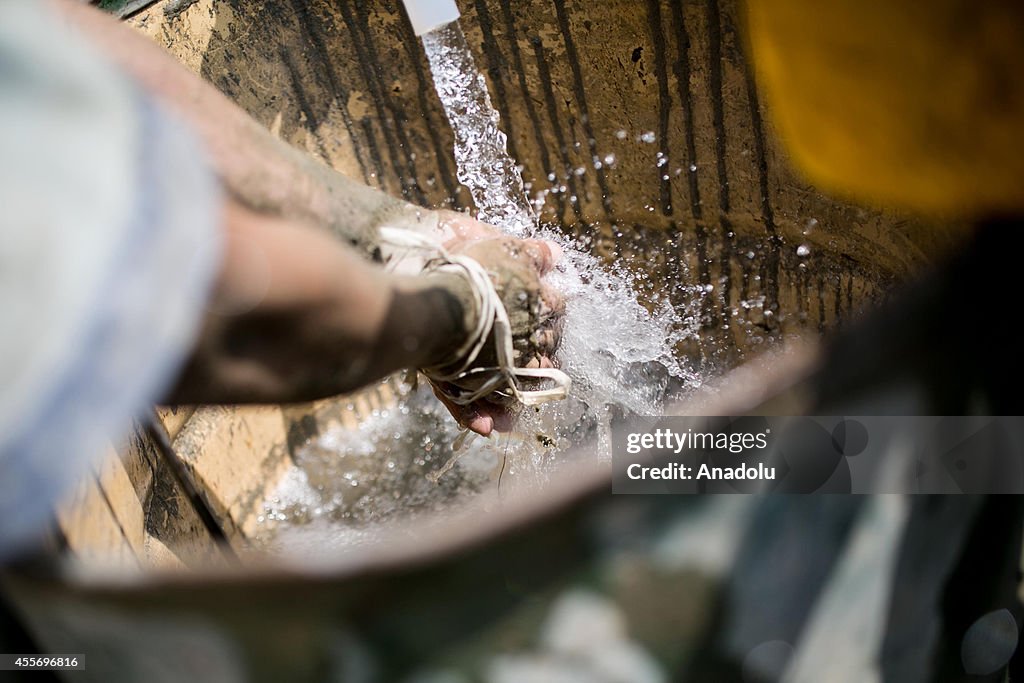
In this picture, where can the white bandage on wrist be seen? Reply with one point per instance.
(492, 323)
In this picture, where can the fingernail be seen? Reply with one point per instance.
(556, 251)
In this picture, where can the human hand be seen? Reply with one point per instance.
(516, 267)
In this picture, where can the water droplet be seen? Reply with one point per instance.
(648, 137)
(803, 251)
(693, 168)
(621, 134)
(609, 159)
(551, 177)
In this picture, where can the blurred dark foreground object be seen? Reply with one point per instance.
(923, 590)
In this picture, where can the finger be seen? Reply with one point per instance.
(556, 251)
(501, 418)
(552, 303)
(472, 229)
(541, 254)
(546, 340)
(457, 228)
(490, 417)
(541, 362)
(481, 417)
(481, 424)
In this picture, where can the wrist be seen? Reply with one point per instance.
(436, 312)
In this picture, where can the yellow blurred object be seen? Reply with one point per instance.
(911, 104)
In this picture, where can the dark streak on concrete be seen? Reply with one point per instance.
(581, 102)
(664, 102)
(544, 75)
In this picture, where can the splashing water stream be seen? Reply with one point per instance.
(484, 165)
(616, 351)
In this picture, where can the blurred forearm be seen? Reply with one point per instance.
(258, 170)
(296, 316)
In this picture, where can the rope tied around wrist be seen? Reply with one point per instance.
(492, 324)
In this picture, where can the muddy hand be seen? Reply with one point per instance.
(516, 267)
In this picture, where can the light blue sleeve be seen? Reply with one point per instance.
(109, 244)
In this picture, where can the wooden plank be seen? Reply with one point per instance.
(94, 535)
(237, 455)
(123, 500)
